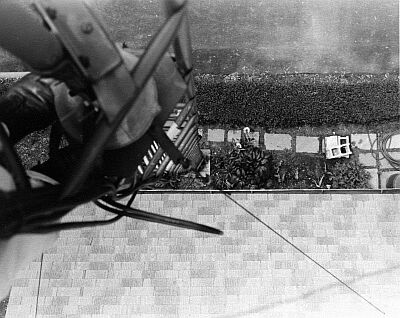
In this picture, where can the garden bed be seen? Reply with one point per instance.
(249, 167)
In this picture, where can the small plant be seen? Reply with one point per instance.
(242, 166)
(300, 171)
(349, 174)
(183, 180)
(323, 179)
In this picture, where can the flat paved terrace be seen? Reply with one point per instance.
(138, 269)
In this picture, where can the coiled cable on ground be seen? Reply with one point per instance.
(384, 145)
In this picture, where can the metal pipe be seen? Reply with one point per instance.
(189, 125)
(189, 155)
(192, 133)
(185, 146)
(167, 160)
(153, 163)
(171, 6)
(185, 112)
(183, 48)
(23, 35)
(185, 149)
(192, 142)
(188, 151)
(179, 144)
(157, 157)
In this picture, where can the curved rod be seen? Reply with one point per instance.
(157, 218)
(23, 211)
(69, 226)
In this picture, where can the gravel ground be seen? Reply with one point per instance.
(33, 148)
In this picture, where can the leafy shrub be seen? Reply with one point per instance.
(252, 168)
(266, 100)
(191, 179)
(349, 174)
(242, 166)
(300, 171)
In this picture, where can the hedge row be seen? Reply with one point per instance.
(283, 101)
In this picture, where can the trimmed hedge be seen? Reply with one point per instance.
(283, 101)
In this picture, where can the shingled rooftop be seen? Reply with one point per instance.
(138, 269)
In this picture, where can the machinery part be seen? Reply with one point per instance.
(40, 207)
(103, 67)
(30, 101)
(48, 51)
(140, 76)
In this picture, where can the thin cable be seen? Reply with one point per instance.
(372, 143)
(132, 198)
(301, 251)
(383, 147)
(38, 289)
(151, 181)
(43, 206)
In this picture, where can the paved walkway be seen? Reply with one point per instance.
(363, 145)
(138, 269)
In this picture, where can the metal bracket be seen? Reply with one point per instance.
(82, 35)
(89, 46)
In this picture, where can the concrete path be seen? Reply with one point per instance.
(138, 269)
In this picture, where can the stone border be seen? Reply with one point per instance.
(12, 74)
(277, 191)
